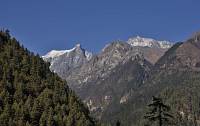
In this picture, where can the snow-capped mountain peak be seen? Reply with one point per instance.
(149, 42)
(56, 53)
(62, 61)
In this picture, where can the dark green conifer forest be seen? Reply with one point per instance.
(31, 95)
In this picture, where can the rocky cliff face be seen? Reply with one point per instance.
(106, 80)
(151, 49)
(101, 65)
(182, 55)
(62, 62)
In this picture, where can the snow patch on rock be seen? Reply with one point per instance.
(149, 42)
(56, 53)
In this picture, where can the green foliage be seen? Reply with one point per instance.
(31, 95)
(158, 111)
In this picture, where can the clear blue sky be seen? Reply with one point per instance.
(42, 25)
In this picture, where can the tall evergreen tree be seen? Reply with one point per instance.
(158, 112)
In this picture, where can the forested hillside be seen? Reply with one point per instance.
(31, 95)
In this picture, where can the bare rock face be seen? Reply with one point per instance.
(63, 61)
(183, 56)
(151, 49)
(101, 65)
(151, 54)
(78, 69)
(107, 77)
(115, 53)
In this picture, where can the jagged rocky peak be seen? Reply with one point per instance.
(78, 47)
(149, 42)
(116, 46)
(116, 52)
(57, 53)
(63, 61)
(183, 55)
(86, 53)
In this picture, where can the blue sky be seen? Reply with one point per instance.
(42, 25)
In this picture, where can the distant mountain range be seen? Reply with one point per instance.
(110, 76)
(117, 83)
(63, 61)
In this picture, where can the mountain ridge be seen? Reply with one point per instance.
(149, 42)
(152, 49)
(175, 77)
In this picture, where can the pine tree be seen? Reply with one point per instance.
(158, 111)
